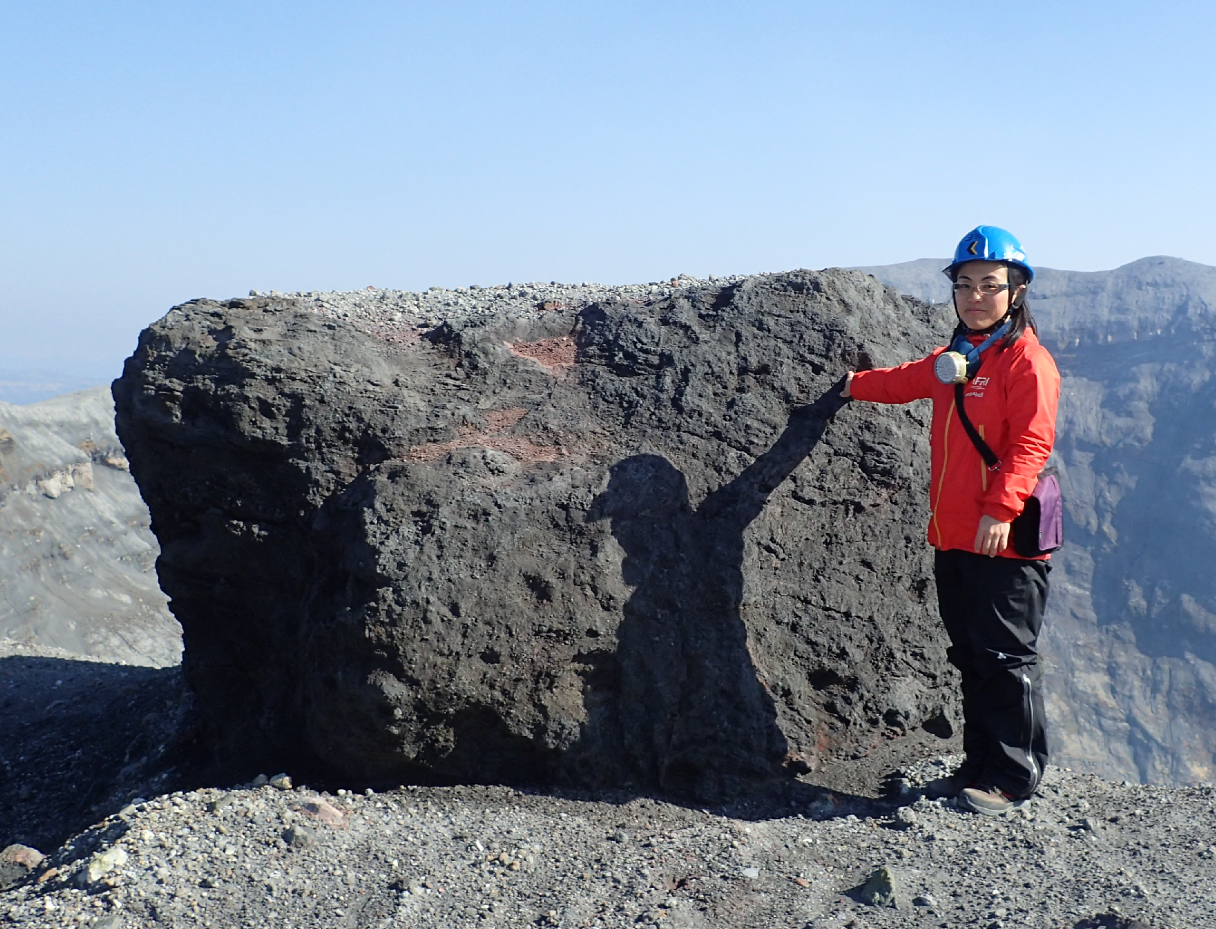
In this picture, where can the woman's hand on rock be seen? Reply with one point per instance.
(992, 538)
(848, 381)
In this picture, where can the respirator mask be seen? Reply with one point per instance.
(961, 360)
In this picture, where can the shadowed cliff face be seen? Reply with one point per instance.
(613, 543)
(1130, 637)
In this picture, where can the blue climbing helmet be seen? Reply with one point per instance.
(990, 243)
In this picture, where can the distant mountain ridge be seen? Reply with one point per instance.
(23, 386)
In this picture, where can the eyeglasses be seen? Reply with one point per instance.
(987, 288)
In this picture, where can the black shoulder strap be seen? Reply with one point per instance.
(990, 459)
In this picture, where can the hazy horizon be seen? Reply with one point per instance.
(23, 384)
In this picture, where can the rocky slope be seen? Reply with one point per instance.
(1130, 640)
(92, 704)
(529, 536)
(1085, 854)
(74, 537)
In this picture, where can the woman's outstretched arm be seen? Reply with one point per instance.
(910, 381)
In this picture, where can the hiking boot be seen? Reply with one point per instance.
(951, 785)
(988, 801)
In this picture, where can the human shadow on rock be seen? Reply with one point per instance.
(80, 739)
(690, 713)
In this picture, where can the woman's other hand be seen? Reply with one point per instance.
(848, 380)
(992, 537)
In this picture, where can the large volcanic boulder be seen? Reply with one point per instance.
(637, 539)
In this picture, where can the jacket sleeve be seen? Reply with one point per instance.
(912, 380)
(1032, 395)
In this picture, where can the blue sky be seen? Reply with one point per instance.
(155, 152)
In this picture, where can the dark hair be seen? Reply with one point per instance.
(1019, 313)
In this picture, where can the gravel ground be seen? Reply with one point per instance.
(493, 856)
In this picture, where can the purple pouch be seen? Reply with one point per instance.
(1040, 528)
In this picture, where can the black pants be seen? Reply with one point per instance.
(993, 611)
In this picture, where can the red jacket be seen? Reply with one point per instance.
(1012, 404)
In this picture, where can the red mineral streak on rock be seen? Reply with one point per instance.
(501, 420)
(498, 422)
(555, 354)
(520, 449)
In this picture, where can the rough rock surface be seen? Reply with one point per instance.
(620, 540)
(1084, 853)
(1130, 637)
(76, 551)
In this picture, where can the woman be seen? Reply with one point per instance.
(991, 599)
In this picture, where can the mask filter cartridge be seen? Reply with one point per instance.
(951, 368)
(959, 363)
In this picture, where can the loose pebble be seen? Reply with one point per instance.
(323, 811)
(103, 863)
(16, 863)
(882, 888)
